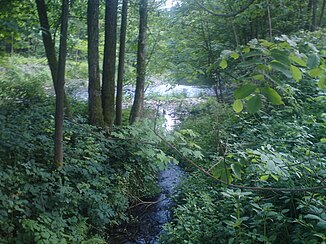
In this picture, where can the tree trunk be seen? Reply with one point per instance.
(313, 16)
(137, 106)
(95, 112)
(322, 14)
(59, 109)
(269, 20)
(50, 48)
(108, 86)
(118, 118)
(309, 7)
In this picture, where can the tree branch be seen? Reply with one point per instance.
(252, 188)
(243, 8)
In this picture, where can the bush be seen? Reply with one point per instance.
(102, 175)
(282, 150)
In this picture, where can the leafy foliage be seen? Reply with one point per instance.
(279, 147)
(76, 203)
(262, 69)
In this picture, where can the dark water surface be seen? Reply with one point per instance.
(152, 216)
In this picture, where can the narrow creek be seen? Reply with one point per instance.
(152, 215)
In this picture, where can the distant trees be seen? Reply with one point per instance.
(202, 29)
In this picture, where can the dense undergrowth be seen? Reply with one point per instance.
(280, 151)
(279, 147)
(102, 176)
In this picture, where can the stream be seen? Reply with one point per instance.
(154, 213)
(153, 217)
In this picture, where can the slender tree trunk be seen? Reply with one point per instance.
(12, 45)
(50, 48)
(322, 11)
(269, 20)
(118, 118)
(236, 37)
(59, 110)
(137, 106)
(309, 7)
(108, 85)
(95, 112)
(47, 40)
(314, 16)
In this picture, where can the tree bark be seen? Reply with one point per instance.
(50, 48)
(137, 106)
(108, 85)
(95, 112)
(270, 30)
(322, 11)
(59, 110)
(313, 16)
(123, 30)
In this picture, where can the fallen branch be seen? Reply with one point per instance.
(253, 188)
(141, 202)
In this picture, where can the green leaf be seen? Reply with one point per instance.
(250, 63)
(270, 165)
(265, 43)
(322, 82)
(254, 104)
(237, 106)
(235, 55)
(272, 96)
(226, 176)
(296, 73)
(259, 77)
(198, 154)
(313, 61)
(312, 216)
(320, 235)
(297, 60)
(316, 72)
(275, 177)
(244, 91)
(219, 172)
(236, 168)
(264, 177)
(322, 224)
(246, 50)
(275, 79)
(280, 56)
(223, 64)
(281, 68)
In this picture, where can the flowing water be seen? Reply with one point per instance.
(152, 215)
(80, 91)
